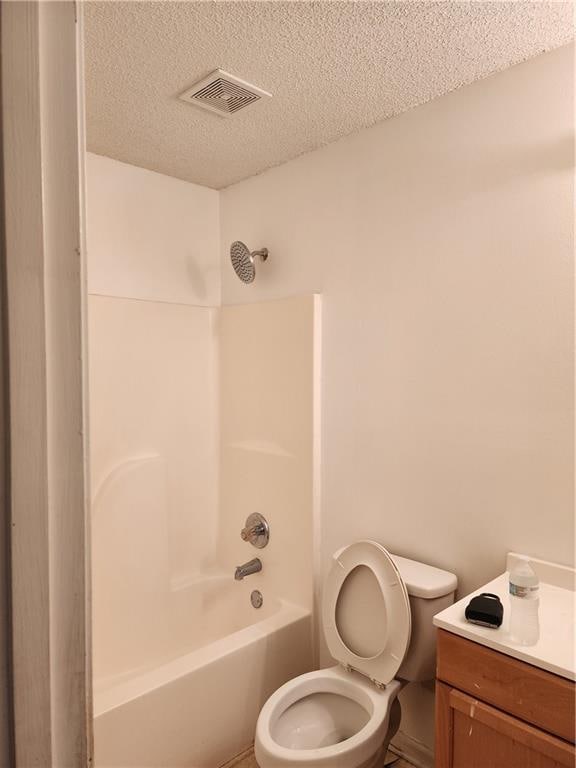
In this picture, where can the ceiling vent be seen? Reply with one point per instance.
(223, 93)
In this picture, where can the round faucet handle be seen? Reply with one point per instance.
(256, 530)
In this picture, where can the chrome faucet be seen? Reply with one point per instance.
(252, 566)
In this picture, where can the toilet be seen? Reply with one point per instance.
(377, 617)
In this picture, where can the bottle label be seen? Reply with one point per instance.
(518, 591)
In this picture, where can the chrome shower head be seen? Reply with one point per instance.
(243, 260)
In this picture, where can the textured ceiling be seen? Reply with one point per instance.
(333, 68)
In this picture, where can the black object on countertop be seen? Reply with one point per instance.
(486, 610)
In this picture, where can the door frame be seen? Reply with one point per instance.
(6, 757)
(44, 326)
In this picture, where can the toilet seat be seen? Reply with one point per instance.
(352, 612)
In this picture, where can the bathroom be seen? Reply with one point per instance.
(325, 317)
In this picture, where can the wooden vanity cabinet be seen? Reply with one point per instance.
(493, 711)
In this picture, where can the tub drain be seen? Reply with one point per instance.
(256, 599)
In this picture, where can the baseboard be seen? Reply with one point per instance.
(413, 751)
(238, 759)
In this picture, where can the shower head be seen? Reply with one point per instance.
(243, 260)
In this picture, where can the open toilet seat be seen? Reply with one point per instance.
(286, 736)
(366, 611)
(338, 717)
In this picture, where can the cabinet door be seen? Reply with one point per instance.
(533, 695)
(471, 734)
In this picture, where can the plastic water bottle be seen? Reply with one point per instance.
(524, 604)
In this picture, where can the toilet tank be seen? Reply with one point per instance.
(430, 590)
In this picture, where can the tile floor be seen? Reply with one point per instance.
(247, 760)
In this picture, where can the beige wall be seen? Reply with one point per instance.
(151, 236)
(441, 242)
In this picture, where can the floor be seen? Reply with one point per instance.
(247, 760)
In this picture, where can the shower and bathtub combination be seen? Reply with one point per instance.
(204, 508)
(200, 650)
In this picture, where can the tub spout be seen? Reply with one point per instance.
(252, 566)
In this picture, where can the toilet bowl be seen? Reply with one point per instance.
(329, 718)
(344, 716)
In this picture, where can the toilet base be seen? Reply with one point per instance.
(394, 723)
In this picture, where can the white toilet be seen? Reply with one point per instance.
(377, 616)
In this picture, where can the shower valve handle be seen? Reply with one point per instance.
(256, 530)
(250, 533)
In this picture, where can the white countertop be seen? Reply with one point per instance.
(555, 650)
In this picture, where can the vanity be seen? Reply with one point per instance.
(502, 705)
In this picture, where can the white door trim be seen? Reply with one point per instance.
(43, 150)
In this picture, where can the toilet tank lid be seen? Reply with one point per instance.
(423, 580)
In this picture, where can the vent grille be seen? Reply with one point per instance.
(226, 96)
(223, 93)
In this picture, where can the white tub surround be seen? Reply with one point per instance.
(555, 649)
(269, 439)
(180, 457)
(153, 462)
(182, 661)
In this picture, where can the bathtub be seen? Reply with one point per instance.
(185, 694)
